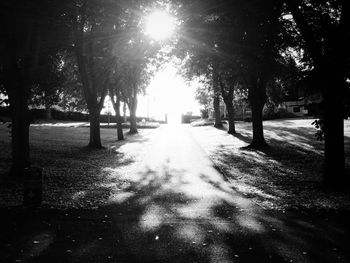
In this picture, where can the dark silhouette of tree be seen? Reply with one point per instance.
(244, 36)
(324, 27)
(227, 86)
(134, 80)
(258, 48)
(256, 84)
(216, 94)
(47, 89)
(198, 66)
(115, 94)
(198, 46)
(92, 55)
(71, 97)
(30, 31)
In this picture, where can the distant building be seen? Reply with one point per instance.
(304, 106)
(298, 108)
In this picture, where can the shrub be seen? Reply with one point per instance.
(271, 113)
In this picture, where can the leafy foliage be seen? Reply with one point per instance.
(47, 89)
(204, 96)
(319, 125)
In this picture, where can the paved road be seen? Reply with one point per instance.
(175, 207)
(177, 187)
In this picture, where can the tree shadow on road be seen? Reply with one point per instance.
(286, 174)
(170, 216)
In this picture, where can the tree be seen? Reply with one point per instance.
(216, 95)
(91, 24)
(115, 96)
(258, 42)
(227, 86)
(27, 33)
(135, 78)
(204, 97)
(198, 45)
(256, 84)
(244, 35)
(240, 98)
(71, 97)
(115, 93)
(198, 67)
(324, 27)
(137, 58)
(47, 89)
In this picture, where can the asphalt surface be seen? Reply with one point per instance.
(175, 208)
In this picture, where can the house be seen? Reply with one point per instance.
(298, 107)
(304, 106)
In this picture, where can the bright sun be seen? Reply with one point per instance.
(160, 25)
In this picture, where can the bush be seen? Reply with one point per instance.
(271, 113)
(69, 116)
(204, 114)
(36, 114)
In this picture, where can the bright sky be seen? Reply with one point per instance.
(168, 93)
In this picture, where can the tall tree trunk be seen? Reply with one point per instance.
(132, 109)
(334, 72)
(257, 98)
(95, 136)
(216, 99)
(334, 155)
(332, 66)
(94, 96)
(231, 117)
(19, 130)
(133, 123)
(18, 93)
(120, 128)
(124, 112)
(116, 106)
(227, 95)
(217, 113)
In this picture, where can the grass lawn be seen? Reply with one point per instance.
(74, 176)
(287, 174)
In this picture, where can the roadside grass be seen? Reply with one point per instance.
(287, 174)
(74, 175)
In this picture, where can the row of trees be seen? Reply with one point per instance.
(233, 44)
(95, 46)
(264, 45)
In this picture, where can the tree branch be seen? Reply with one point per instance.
(312, 45)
